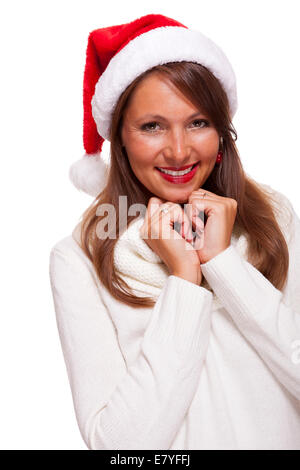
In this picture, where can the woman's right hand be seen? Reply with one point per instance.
(172, 247)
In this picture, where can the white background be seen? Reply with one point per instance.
(43, 56)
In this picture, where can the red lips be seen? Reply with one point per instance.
(173, 168)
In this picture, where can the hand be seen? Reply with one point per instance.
(215, 236)
(172, 247)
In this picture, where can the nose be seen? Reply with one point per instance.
(177, 151)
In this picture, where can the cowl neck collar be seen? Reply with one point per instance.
(143, 270)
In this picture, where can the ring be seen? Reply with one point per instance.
(203, 195)
(164, 210)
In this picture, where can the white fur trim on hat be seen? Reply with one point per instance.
(158, 46)
(89, 174)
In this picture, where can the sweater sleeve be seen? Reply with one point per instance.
(142, 406)
(266, 316)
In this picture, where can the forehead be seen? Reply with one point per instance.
(156, 91)
(155, 82)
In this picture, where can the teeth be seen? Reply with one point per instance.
(176, 173)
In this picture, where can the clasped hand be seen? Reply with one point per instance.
(207, 240)
(215, 236)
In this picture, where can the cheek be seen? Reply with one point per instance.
(207, 146)
(142, 151)
(207, 159)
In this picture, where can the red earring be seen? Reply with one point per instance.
(219, 158)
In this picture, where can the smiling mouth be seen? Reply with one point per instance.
(173, 172)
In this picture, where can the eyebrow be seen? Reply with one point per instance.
(158, 116)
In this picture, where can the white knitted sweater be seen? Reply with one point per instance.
(206, 368)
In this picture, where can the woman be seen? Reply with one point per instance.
(180, 324)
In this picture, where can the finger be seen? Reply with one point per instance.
(153, 206)
(187, 227)
(159, 223)
(175, 220)
(195, 211)
(183, 223)
(206, 192)
(188, 211)
(199, 241)
(171, 221)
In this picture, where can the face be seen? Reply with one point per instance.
(162, 129)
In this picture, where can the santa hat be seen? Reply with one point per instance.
(115, 56)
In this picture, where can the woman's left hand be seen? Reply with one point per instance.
(215, 236)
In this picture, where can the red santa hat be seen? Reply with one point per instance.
(115, 56)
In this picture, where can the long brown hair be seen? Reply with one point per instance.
(267, 249)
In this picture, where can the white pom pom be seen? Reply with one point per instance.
(89, 174)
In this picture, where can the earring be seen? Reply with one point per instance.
(219, 158)
(220, 153)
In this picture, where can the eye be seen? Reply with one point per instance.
(201, 121)
(148, 125)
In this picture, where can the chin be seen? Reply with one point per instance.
(179, 199)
